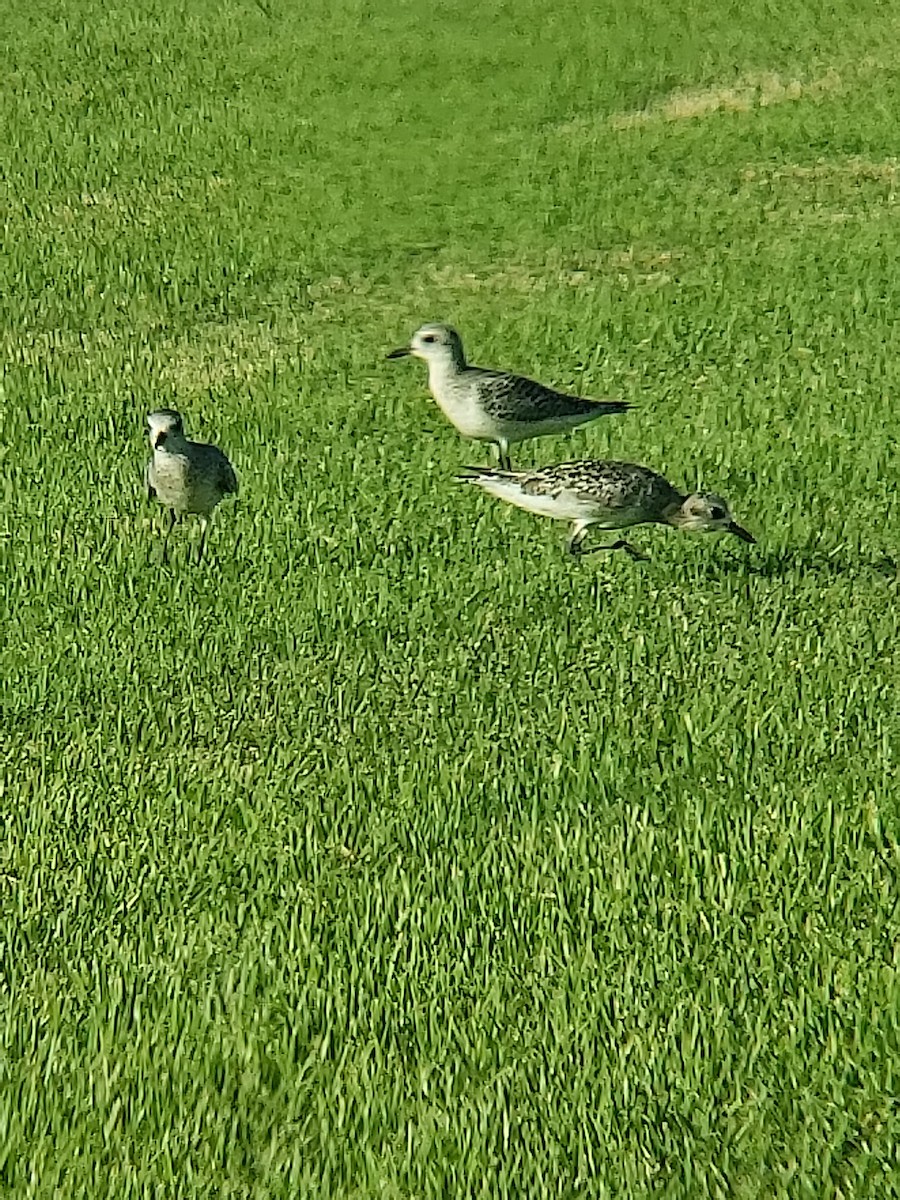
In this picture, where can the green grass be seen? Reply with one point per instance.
(390, 853)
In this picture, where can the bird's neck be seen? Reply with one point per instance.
(445, 369)
(172, 445)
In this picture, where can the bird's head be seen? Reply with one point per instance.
(434, 343)
(166, 428)
(705, 512)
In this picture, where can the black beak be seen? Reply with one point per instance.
(741, 533)
(401, 353)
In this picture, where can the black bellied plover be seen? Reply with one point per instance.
(612, 495)
(185, 476)
(495, 406)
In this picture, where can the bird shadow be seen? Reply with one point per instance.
(791, 561)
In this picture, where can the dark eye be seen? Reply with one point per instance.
(717, 514)
(429, 337)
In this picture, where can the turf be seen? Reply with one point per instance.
(390, 853)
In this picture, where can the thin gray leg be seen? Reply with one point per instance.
(575, 543)
(621, 544)
(204, 525)
(165, 550)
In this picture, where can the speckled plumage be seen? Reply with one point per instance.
(618, 490)
(186, 476)
(496, 406)
(192, 482)
(611, 495)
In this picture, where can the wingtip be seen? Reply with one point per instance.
(607, 408)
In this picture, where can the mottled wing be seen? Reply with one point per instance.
(548, 482)
(214, 465)
(227, 478)
(625, 488)
(516, 398)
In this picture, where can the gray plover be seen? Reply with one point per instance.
(185, 476)
(494, 406)
(612, 495)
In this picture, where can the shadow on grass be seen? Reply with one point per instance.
(797, 561)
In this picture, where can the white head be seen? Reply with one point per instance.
(436, 344)
(166, 429)
(705, 512)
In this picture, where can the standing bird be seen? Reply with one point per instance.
(613, 495)
(494, 406)
(185, 476)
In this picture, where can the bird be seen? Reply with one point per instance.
(495, 406)
(185, 476)
(611, 495)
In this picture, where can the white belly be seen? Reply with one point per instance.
(467, 417)
(567, 506)
(178, 485)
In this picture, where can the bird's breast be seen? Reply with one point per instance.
(181, 483)
(459, 401)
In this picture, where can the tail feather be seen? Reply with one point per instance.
(605, 407)
(484, 474)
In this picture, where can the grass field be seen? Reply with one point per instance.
(390, 853)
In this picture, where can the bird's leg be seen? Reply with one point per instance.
(621, 544)
(575, 543)
(204, 525)
(165, 550)
(637, 555)
(503, 459)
